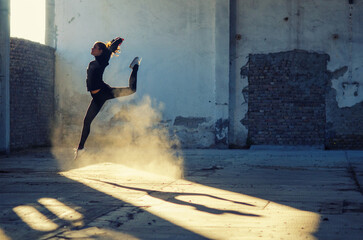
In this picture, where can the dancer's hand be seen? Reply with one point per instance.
(118, 39)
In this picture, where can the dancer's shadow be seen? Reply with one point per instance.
(172, 197)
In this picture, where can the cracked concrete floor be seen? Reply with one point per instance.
(225, 194)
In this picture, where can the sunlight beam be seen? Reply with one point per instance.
(3, 236)
(207, 211)
(62, 211)
(35, 219)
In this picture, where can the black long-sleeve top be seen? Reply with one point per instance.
(97, 67)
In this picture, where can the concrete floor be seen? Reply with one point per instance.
(225, 194)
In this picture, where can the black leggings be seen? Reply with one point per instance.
(100, 98)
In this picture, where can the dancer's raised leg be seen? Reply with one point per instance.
(125, 91)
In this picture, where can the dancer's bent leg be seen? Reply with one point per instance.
(93, 109)
(125, 91)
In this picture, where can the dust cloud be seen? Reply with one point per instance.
(131, 134)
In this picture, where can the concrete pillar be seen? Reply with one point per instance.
(50, 33)
(4, 76)
(233, 105)
(222, 72)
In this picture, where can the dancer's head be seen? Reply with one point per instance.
(98, 49)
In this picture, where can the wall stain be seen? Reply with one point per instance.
(221, 128)
(338, 73)
(350, 88)
(72, 19)
(190, 122)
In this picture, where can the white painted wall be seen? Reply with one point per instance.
(180, 43)
(310, 26)
(174, 38)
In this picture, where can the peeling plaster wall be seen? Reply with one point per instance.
(185, 50)
(332, 27)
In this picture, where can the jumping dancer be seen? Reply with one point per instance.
(100, 91)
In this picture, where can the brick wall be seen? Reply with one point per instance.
(286, 98)
(344, 129)
(31, 93)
